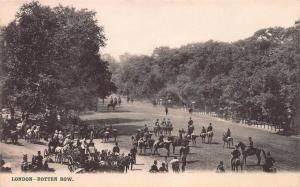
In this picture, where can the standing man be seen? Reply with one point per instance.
(166, 110)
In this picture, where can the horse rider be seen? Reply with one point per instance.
(115, 100)
(163, 168)
(51, 145)
(111, 101)
(269, 164)
(221, 168)
(235, 154)
(154, 168)
(209, 128)
(181, 132)
(228, 133)
(203, 131)
(67, 140)
(60, 138)
(116, 148)
(145, 128)
(190, 122)
(161, 140)
(55, 136)
(250, 143)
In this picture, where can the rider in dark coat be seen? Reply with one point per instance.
(203, 130)
(250, 143)
(228, 133)
(116, 148)
(209, 128)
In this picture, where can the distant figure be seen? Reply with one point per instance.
(119, 100)
(220, 168)
(166, 110)
(128, 99)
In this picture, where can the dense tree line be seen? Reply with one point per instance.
(50, 62)
(255, 79)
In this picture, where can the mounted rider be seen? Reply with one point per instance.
(235, 154)
(60, 138)
(203, 131)
(209, 128)
(146, 128)
(190, 126)
(228, 133)
(161, 140)
(111, 101)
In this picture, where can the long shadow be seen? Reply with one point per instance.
(136, 169)
(215, 143)
(115, 111)
(194, 146)
(192, 161)
(139, 164)
(16, 144)
(39, 143)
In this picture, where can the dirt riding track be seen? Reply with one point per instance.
(130, 117)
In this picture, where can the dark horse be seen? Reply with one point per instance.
(112, 104)
(158, 145)
(250, 152)
(177, 141)
(12, 134)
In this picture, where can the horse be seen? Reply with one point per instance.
(105, 135)
(113, 105)
(60, 152)
(177, 141)
(236, 163)
(203, 136)
(158, 145)
(145, 144)
(12, 134)
(228, 140)
(192, 137)
(250, 152)
(210, 135)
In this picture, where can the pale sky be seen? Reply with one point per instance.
(138, 26)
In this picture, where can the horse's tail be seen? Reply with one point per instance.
(264, 153)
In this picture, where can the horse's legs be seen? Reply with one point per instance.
(258, 158)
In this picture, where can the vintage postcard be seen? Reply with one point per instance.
(149, 93)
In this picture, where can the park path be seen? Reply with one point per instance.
(203, 156)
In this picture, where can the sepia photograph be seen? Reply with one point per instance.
(149, 93)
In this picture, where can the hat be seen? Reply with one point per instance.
(56, 131)
(69, 135)
(59, 132)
